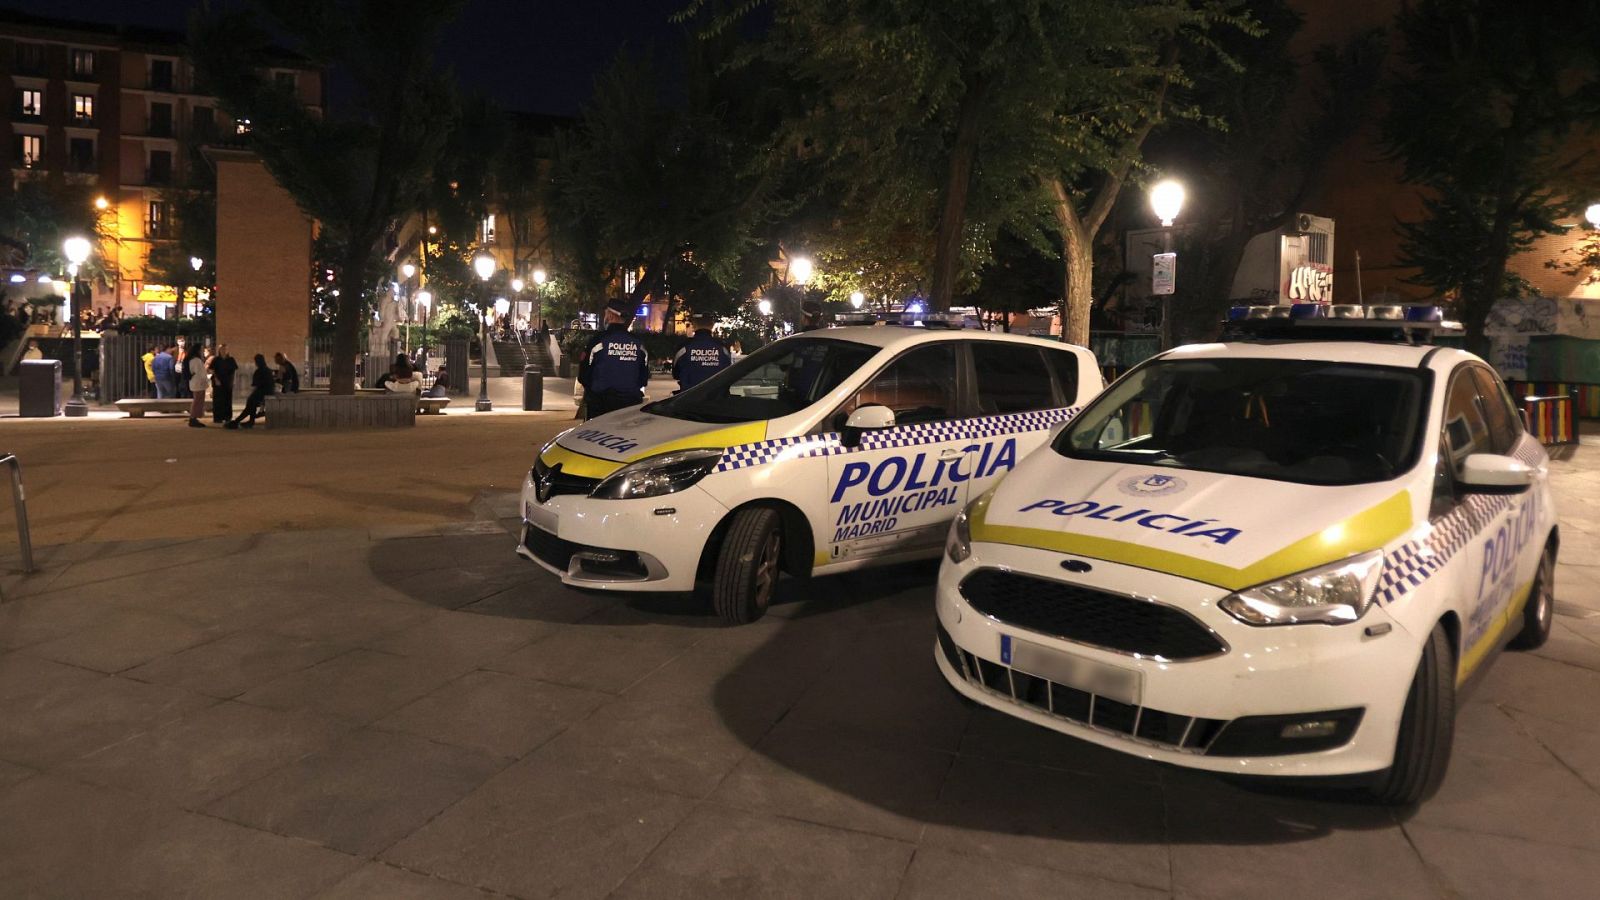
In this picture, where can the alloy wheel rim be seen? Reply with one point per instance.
(767, 570)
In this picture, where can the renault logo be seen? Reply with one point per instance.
(544, 484)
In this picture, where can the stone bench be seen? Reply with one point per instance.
(432, 406)
(304, 410)
(136, 407)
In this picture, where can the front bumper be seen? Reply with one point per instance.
(619, 545)
(1225, 712)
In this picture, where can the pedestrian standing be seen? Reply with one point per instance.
(223, 369)
(261, 385)
(615, 369)
(194, 368)
(164, 370)
(288, 376)
(149, 372)
(701, 357)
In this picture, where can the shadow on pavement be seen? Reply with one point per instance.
(852, 725)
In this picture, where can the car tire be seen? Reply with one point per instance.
(1540, 607)
(748, 565)
(1427, 728)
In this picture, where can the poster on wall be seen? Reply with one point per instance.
(1163, 274)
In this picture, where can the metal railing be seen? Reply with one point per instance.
(20, 501)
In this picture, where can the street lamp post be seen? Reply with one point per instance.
(407, 271)
(76, 250)
(1166, 201)
(196, 263)
(483, 264)
(425, 300)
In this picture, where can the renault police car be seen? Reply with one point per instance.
(1280, 555)
(821, 452)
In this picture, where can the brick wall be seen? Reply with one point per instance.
(263, 262)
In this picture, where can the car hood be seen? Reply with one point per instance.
(606, 443)
(1227, 530)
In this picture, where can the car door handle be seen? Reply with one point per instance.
(951, 453)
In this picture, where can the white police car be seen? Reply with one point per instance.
(822, 452)
(1278, 556)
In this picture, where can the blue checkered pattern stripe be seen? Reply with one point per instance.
(1412, 563)
(744, 456)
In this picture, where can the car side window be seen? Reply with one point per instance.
(1505, 422)
(1065, 364)
(1465, 430)
(1011, 378)
(920, 386)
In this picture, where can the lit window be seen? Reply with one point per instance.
(83, 107)
(83, 63)
(156, 219)
(30, 102)
(630, 280)
(241, 127)
(488, 229)
(30, 150)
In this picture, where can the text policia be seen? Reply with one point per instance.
(918, 483)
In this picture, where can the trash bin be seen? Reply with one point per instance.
(532, 388)
(39, 387)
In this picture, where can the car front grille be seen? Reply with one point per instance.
(1087, 616)
(1154, 726)
(561, 482)
(550, 550)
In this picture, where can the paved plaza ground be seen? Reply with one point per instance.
(310, 666)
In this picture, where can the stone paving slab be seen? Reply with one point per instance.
(412, 711)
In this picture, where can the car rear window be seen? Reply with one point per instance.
(1011, 378)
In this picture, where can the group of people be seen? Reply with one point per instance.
(615, 368)
(191, 371)
(405, 377)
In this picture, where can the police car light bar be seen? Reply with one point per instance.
(1321, 322)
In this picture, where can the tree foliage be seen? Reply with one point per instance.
(38, 216)
(360, 167)
(1491, 113)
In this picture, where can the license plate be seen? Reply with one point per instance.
(1111, 682)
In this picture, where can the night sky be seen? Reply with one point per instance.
(529, 55)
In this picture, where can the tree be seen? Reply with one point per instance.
(38, 216)
(1491, 114)
(657, 185)
(959, 118)
(359, 168)
(1276, 121)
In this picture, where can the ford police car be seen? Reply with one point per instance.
(822, 452)
(1277, 556)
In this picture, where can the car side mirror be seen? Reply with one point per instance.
(869, 417)
(1491, 473)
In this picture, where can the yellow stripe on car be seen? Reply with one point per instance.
(585, 466)
(1366, 530)
(1474, 656)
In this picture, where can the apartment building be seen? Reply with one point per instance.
(118, 108)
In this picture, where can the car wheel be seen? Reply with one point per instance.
(1427, 728)
(748, 565)
(1540, 607)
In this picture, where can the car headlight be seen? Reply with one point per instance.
(1332, 594)
(664, 473)
(959, 546)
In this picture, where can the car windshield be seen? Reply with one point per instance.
(1307, 421)
(780, 378)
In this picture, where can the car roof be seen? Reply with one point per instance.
(895, 337)
(1374, 353)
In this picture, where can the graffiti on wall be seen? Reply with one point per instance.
(1524, 315)
(1310, 284)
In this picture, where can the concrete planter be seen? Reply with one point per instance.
(324, 411)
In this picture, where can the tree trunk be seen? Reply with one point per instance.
(1077, 251)
(957, 184)
(347, 329)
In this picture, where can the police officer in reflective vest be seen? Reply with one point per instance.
(701, 357)
(615, 368)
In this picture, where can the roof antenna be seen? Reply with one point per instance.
(1359, 298)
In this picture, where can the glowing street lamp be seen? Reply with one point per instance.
(1166, 200)
(764, 306)
(539, 277)
(483, 264)
(1592, 214)
(76, 250)
(857, 299)
(517, 284)
(101, 203)
(801, 270)
(409, 271)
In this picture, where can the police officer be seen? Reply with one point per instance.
(701, 357)
(811, 316)
(615, 368)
